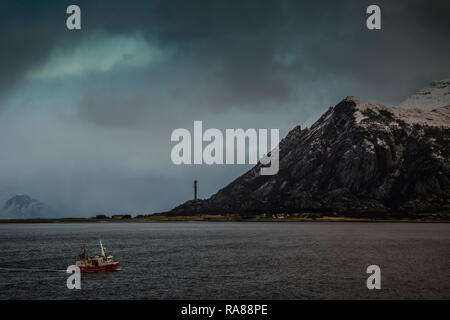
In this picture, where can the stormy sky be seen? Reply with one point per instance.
(86, 115)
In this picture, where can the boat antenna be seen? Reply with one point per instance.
(83, 254)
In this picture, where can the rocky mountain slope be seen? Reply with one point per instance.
(360, 158)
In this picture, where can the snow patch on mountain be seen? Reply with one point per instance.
(435, 117)
(436, 95)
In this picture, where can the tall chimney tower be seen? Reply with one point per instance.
(195, 189)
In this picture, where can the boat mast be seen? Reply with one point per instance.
(102, 250)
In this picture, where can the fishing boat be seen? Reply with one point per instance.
(103, 262)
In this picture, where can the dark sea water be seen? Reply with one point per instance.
(229, 260)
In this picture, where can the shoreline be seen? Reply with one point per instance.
(226, 218)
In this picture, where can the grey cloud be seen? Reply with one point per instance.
(239, 41)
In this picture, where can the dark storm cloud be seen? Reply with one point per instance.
(256, 51)
(29, 30)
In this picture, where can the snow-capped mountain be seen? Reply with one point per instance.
(436, 95)
(359, 158)
(23, 206)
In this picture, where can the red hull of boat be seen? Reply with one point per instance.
(108, 267)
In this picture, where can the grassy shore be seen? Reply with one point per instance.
(229, 218)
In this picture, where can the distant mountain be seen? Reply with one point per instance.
(436, 95)
(22, 207)
(360, 158)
